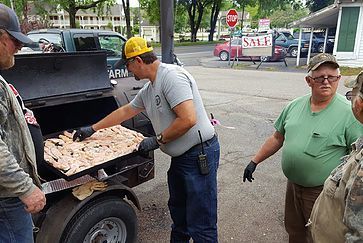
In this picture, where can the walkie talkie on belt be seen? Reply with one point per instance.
(202, 159)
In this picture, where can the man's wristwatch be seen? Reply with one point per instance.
(159, 137)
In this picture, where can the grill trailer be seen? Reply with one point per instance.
(70, 90)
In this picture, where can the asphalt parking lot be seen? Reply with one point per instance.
(248, 101)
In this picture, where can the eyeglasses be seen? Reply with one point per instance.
(330, 79)
(350, 95)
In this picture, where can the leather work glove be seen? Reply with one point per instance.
(83, 133)
(148, 144)
(251, 167)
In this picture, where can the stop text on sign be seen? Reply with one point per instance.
(232, 18)
(256, 41)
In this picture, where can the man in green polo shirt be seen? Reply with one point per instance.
(314, 131)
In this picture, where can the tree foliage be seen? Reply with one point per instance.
(243, 4)
(279, 18)
(152, 10)
(195, 10)
(267, 7)
(181, 19)
(315, 5)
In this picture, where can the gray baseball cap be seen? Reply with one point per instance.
(320, 59)
(9, 22)
(354, 82)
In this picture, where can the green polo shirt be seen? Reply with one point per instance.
(315, 141)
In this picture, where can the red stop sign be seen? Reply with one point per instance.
(232, 18)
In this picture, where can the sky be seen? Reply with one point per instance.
(133, 3)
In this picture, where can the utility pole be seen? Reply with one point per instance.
(167, 30)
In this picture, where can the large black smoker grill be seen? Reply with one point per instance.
(66, 91)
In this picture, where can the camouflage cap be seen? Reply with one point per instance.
(320, 59)
(354, 82)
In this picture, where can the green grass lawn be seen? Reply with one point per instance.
(348, 71)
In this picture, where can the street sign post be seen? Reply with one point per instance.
(231, 20)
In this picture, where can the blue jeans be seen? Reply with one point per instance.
(16, 223)
(193, 197)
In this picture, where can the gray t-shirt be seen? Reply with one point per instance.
(173, 85)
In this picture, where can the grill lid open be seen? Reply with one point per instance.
(45, 75)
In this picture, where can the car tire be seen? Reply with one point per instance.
(320, 48)
(223, 55)
(107, 219)
(293, 51)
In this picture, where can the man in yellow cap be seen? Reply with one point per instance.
(337, 215)
(174, 105)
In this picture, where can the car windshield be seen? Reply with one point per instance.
(112, 44)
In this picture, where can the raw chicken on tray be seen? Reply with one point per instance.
(104, 145)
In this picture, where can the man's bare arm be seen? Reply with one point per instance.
(270, 146)
(185, 119)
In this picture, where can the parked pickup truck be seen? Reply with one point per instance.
(318, 41)
(80, 40)
(287, 40)
(67, 91)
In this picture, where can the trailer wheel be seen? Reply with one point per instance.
(108, 219)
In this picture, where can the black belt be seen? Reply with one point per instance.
(205, 144)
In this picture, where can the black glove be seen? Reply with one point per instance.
(83, 133)
(249, 171)
(148, 144)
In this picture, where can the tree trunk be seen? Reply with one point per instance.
(126, 6)
(243, 13)
(191, 13)
(199, 19)
(72, 10)
(72, 18)
(214, 18)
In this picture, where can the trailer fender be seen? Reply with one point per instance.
(59, 214)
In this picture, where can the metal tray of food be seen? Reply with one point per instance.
(122, 162)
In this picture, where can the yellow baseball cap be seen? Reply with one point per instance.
(136, 46)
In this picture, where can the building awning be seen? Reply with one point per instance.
(324, 18)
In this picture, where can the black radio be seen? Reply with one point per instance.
(202, 159)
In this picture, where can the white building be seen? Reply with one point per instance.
(347, 17)
(87, 19)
